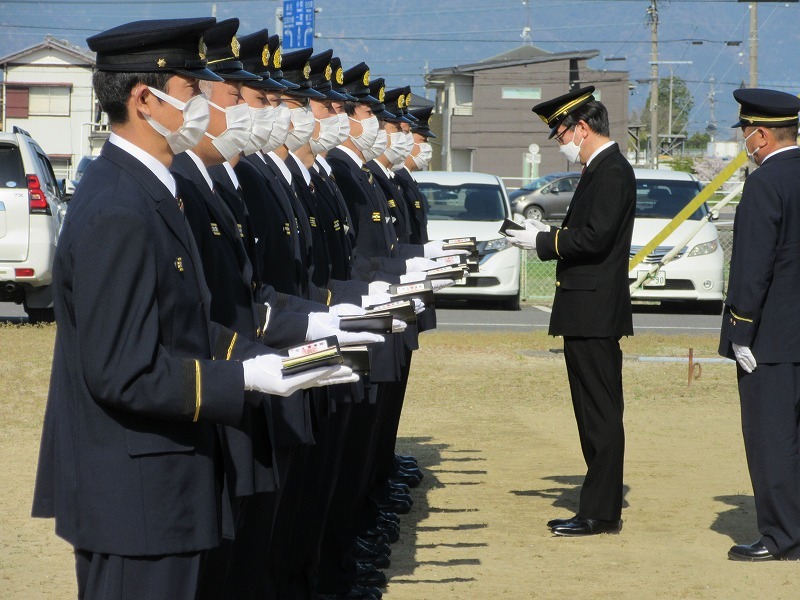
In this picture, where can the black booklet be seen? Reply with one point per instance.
(451, 260)
(311, 355)
(376, 322)
(357, 358)
(400, 309)
(464, 243)
(508, 225)
(452, 272)
(421, 290)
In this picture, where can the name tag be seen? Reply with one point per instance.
(215, 229)
(376, 217)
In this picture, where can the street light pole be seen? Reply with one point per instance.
(753, 45)
(652, 14)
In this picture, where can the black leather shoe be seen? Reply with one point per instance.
(553, 522)
(357, 592)
(580, 527)
(405, 458)
(395, 486)
(379, 561)
(386, 515)
(396, 506)
(405, 477)
(367, 575)
(382, 533)
(408, 470)
(365, 548)
(750, 552)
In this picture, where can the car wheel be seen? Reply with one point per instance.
(534, 212)
(510, 302)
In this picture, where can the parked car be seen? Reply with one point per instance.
(81, 168)
(545, 198)
(31, 210)
(465, 204)
(696, 275)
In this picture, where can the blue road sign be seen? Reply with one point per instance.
(298, 24)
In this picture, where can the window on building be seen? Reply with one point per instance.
(52, 101)
(521, 93)
(17, 102)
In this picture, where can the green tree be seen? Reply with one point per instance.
(682, 104)
(698, 141)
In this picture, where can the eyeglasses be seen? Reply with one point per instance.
(559, 137)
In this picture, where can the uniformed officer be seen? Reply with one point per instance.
(128, 464)
(761, 319)
(592, 305)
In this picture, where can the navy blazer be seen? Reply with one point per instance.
(417, 206)
(592, 248)
(127, 462)
(761, 308)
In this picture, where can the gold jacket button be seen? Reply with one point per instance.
(558, 284)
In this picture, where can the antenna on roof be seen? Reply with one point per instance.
(526, 31)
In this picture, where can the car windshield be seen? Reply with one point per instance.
(464, 202)
(663, 198)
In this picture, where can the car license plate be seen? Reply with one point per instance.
(659, 279)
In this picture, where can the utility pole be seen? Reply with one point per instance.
(753, 44)
(652, 15)
(711, 129)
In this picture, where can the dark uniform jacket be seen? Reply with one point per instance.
(761, 309)
(417, 206)
(335, 222)
(593, 249)
(127, 464)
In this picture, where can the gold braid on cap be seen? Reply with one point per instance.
(564, 110)
(750, 119)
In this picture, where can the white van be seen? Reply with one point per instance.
(31, 211)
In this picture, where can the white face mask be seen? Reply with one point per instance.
(378, 148)
(280, 129)
(195, 121)
(751, 155)
(328, 135)
(344, 127)
(230, 142)
(571, 150)
(399, 148)
(423, 159)
(369, 134)
(302, 128)
(263, 120)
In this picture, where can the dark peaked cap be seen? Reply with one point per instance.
(276, 61)
(337, 79)
(766, 108)
(422, 126)
(224, 50)
(155, 46)
(377, 89)
(297, 69)
(322, 75)
(552, 112)
(356, 83)
(395, 102)
(254, 54)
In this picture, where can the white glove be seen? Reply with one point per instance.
(357, 338)
(374, 299)
(538, 224)
(378, 287)
(744, 357)
(263, 374)
(524, 238)
(345, 310)
(419, 306)
(412, 277)
(434, 250)
(321, 325)
(398, 326)
(438, 284)
(420, 264)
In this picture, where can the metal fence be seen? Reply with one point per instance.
(537, 278)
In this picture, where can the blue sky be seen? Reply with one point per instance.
(400, 40)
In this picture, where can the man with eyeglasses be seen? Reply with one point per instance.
(592, 305)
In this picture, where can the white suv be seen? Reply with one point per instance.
(31, 211)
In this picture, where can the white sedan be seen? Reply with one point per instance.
(464, 204)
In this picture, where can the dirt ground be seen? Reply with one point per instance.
(489, 418)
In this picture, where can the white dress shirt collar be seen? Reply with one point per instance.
(156, 167)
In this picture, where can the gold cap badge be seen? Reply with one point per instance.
(235, 47)
(202, 49)
(339, 76)
(408, 100)
(265, 56)
(307, 71)
(365, 79)
(161, 63)
(328, 72)
(381, 94)
(401, 101)
(276, 58)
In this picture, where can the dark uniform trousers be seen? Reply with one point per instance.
(592, 310)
